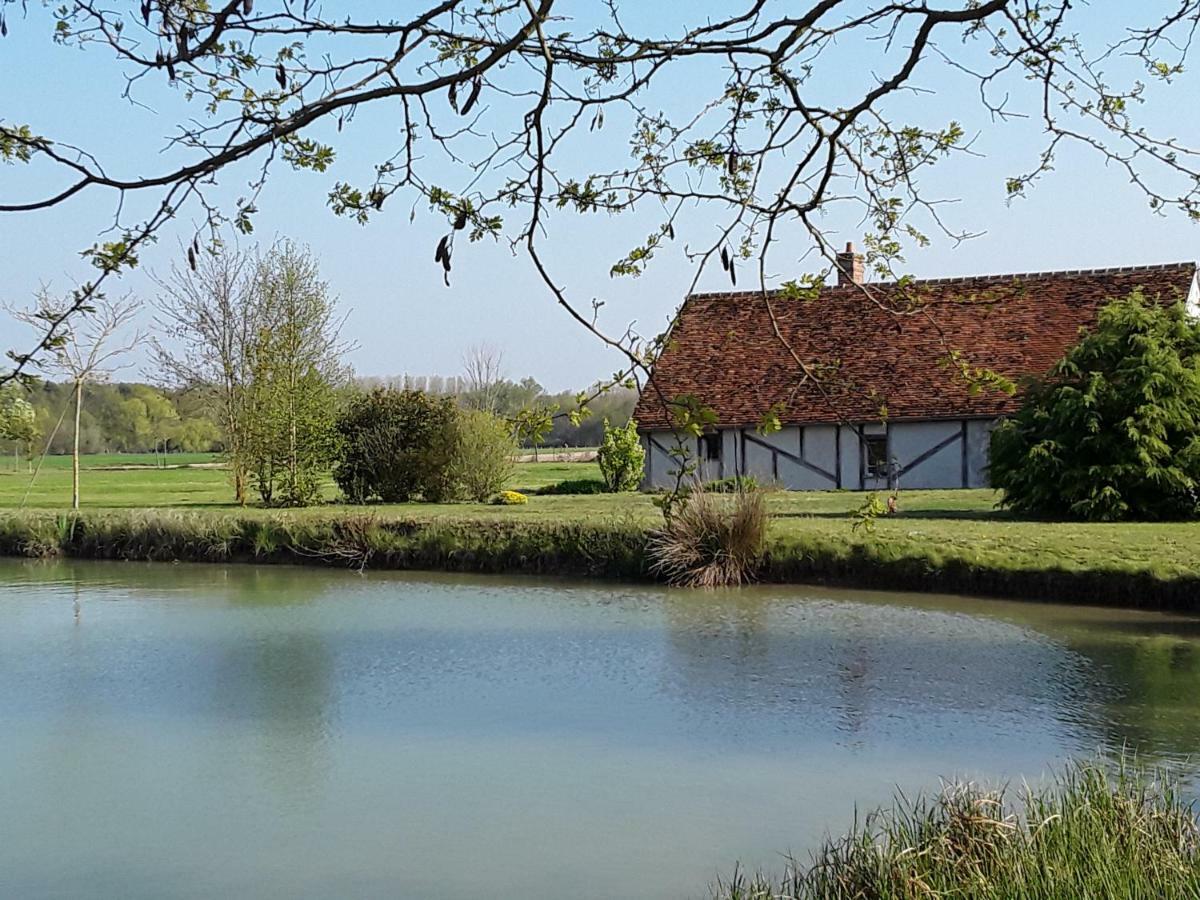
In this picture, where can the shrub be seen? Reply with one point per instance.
(575, 486)
(510, 498)
(1087, 834)
(397, 445)
(1114, 432)
(711, 539)
(621, 457)
(483, 455)
(732, 484)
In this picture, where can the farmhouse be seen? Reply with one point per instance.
(870, 381)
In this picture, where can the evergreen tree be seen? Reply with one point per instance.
(1114, 431)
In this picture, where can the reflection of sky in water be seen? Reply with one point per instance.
(200, 730)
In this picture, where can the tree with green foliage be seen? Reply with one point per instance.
(532, 424)
(296, 368)
(483, 458)
(395, 445)
(1114, 431)
(621, 457)
(18, 423)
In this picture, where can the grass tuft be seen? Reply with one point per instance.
(1097, 830)
(714, 540)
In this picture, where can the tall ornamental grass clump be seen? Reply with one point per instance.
(712, 540)
(1091, 833)
(1114, 431)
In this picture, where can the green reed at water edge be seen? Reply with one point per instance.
(1097, 830)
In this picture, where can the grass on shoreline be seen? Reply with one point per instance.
(952, 540)
(1091, 832)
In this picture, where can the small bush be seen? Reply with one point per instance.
(1088, 834)
(510, 498)
(621, 457)
(483, 456)
(397, 445)
(711, 540)
(575, 486)
(732, 484)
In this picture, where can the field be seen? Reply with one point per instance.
(937, 530)
(190, 480)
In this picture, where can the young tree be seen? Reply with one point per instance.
(621, 457)
(18, 423)
(792, 112)
(1114, 431)
(86, 353)
(483, 458)
(210, 317)
(295, 369)
(532, 424)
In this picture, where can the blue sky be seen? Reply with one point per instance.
(402, 317)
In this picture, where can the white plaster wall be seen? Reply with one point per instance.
(758, 462)
(979, 442)
(820, 448)
(908, 440)
(1193, 299)
(788, 440)
(851, 473)
(661, 466)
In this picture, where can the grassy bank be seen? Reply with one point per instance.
(950, 541)
(1088, 834)
(1152, 566)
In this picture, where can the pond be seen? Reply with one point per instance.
(171, 731)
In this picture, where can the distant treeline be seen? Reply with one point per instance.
(140, 418)
(121, 418)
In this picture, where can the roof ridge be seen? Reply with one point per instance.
(957, 279)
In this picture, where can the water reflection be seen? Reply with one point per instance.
(324, 730)
(870, 671)
(280, 687)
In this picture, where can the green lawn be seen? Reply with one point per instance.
(130, 480)
(109, 460)
(939, 526)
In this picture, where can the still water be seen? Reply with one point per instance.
(199, 731)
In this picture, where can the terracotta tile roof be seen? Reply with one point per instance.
(724, 351)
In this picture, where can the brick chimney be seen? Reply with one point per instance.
(849, 267)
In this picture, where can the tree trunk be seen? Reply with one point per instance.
(75, 448)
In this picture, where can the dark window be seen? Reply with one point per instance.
(710, 447)
(876, 449)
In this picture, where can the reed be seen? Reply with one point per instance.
(1098, 829)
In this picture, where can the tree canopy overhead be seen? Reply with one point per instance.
(786, 110)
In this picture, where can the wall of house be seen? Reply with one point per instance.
(933, 454)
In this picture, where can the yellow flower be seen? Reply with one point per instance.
(510, 498)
